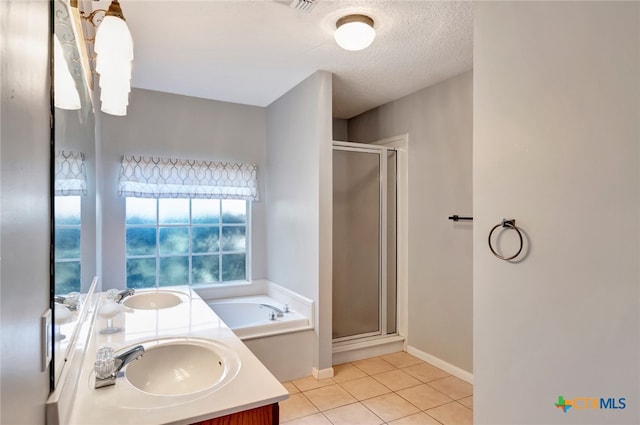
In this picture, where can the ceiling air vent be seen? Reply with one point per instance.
(303, 5)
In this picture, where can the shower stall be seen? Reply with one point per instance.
(364, 241)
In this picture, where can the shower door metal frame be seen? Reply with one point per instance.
(381, 151)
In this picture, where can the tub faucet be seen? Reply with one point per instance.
(123, 294)
(276, 310)
(119, 362)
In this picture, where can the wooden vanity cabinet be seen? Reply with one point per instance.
(265, 415)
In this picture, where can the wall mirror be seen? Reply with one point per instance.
(74, 179)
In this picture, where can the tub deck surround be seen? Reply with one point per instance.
(253, 386)
(249, 317)
(262, 287)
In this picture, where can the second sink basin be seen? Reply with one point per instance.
(152, 300)
(182, 367)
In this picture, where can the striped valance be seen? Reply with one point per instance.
(149, 177)
(70, 177)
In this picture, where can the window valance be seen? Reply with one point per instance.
(149, 177)
(70, 174)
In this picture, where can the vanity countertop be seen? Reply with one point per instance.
(253, 386)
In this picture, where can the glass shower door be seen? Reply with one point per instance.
(364, 286)
(356, 235)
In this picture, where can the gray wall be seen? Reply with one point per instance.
(438, 121)
(556, 146)
(24, 212)
(299, 199)
(340, 129)
(163, 124)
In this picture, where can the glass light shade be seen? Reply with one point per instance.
(114, 102)
(113, 38)
(114, 49)
(356, 33)
(65, 92)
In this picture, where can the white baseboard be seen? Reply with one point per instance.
(322, 373)
(447, 367)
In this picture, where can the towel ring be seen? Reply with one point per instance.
(511, 224)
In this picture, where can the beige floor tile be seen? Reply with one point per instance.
(467, 402)
(296, 406)
(326, 398)
(352, 414)
(390, 407)
(453, 387)
(317, 419)
(374, 365)
(347, 372)
(452, 414)
(291, 387)
(365, 388)
(401, 359)
(424, 397)
(418, 386)
(425, 372)
(417, 419)
(310, 383)
(396, 380)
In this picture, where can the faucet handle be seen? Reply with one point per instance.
(112, 294)
(286, 308)
(104, 353)
(105, 365)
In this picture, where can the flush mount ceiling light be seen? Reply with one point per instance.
(114, 50)
(354, 32)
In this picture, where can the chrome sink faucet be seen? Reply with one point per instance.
(108, 366)
(123, 294)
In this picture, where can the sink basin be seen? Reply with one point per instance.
(182, 367)
(152, 300)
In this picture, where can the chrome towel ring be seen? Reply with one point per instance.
(510, 224)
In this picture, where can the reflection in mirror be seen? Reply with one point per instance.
(74, 189)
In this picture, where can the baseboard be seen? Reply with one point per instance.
(354, 351)
(447, 367)
(322, 373)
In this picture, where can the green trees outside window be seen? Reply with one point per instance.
(185, 241)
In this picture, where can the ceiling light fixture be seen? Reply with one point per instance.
(114, 50)
(354, 32)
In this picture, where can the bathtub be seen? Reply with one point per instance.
(252, 317)
(285, 345)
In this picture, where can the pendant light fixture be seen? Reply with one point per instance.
(354, 32)
(114, 54)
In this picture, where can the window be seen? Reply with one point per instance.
(185, 241)
(70, 184)
(67, 244)
(186, 220)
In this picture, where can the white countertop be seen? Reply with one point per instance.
(253, 386)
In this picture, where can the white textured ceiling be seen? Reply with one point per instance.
(252, 52)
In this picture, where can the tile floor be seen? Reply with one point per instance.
(397, 389)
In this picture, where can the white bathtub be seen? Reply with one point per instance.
(249, 317)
